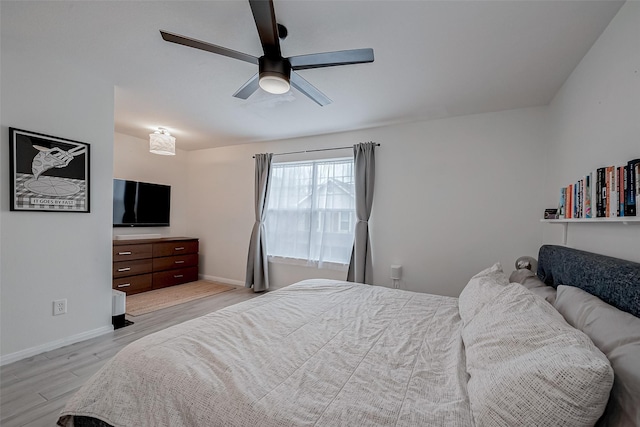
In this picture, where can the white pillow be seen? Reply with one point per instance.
(547, 293)
(617, 335)
(481, 289)
(528, 367)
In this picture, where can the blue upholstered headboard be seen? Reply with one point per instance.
(613, 280)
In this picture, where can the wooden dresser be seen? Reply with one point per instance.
(144, 265)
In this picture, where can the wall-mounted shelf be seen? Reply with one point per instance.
(565, 222)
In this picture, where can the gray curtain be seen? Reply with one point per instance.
(361, 267)
(257, 265)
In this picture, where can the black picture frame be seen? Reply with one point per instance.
(48, 173)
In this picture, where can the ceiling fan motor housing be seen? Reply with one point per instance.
(274, 74)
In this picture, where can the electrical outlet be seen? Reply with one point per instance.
(59, 306)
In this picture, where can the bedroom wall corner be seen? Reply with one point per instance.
(50, 255)
(594, 122)
(132, 160)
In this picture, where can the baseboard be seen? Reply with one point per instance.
(222, 280)
(33, 351)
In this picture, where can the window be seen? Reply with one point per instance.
(311, 211)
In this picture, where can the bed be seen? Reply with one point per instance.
(324, 352)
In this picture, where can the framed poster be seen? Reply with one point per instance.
(48, 174)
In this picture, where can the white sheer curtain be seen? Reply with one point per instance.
(311, 212)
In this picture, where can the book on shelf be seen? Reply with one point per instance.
(561, 203)
(580, 198)
(582, 206)
(601, 193)
(632, 187)
(622, 190)
(576, 202)
(569, 210)
(616, 189)
(587, 196)
(576, 206)
(612, 193)
(636, 168)
(607, 193)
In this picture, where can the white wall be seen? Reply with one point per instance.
(595, 122)
(452, 196)
(51, 255)
(132, 160)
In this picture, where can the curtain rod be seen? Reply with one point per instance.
(313, 151)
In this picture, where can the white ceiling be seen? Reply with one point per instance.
(433, 59)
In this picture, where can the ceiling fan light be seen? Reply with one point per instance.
(161, 142)
(274, 84)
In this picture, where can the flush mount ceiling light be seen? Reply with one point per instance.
(161, 142)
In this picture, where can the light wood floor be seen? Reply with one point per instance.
(34, 390)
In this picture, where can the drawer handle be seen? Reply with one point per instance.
(181, 248)
(124, 253)
(179, 262)
(124, 285)
(177, 276)
(124, 269)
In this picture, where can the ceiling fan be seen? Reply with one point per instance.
(276, 73)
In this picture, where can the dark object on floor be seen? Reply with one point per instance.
(120, 322)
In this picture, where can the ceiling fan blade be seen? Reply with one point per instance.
(248, 88)
(265, 17)
(331, 59)
(308, 89)
(198, 44)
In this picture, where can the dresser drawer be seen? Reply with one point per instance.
(180, 261)
(175, 248)
(133, 284)
(132, 268)
(174, 277)
(128, 252)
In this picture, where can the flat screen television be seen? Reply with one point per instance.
(140, 204)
